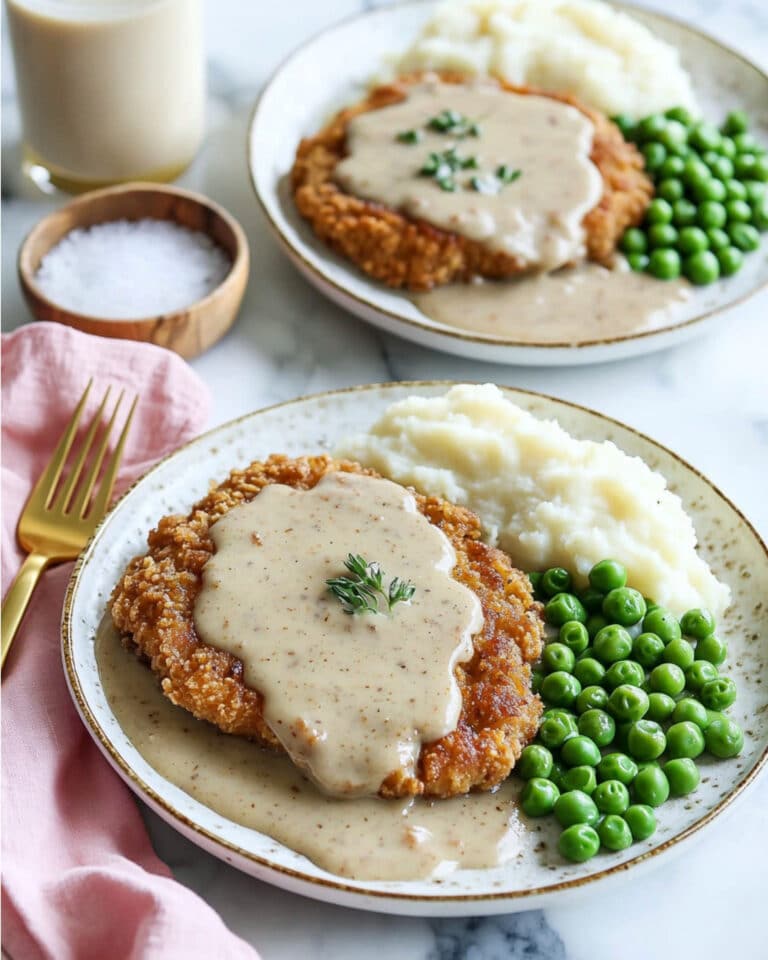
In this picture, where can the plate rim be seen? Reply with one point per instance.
(343, 292)
(181, 822)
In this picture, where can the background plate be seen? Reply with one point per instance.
(333, 70)
(313, 424)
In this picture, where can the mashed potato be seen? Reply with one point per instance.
(544, 496)
(583, 47)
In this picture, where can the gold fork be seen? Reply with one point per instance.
(54, 527)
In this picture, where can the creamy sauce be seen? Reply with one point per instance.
(537, 218)
(351, 697)
(109, 90)
(571, 306)
(364, 839)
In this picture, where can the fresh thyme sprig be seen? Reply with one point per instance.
(361, 592)
(454, 123)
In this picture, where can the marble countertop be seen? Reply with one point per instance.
(707, 399)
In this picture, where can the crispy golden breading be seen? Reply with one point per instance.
(153, 604)
(403, 252)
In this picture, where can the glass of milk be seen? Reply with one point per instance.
(110, 90)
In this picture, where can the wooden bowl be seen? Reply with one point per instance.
(188, 331)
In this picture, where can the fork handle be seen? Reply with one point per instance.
(17, 598)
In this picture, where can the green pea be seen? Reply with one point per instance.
(671, 168)
(711, 214)
(659, 211)
(718, 239)
(574, 636)
(595, 623)
(580, 751)
(756, 191)
(562, 712)
(695, 171)
(663, 235)
(651, 127)
(633, 241)
(727, 148)
(691, 240)
(699, 672)
(608, 575)
(735, 190)
(730, 260)
(580, 778)
(560, 689)
(628, 703)
(679, 652)
(739, 211)
(667, 678)
(683, 776)
(673, 137)
(744, 236)
(578, 843)
(623, 672)
(698, 623)
(539, 797)
(661, 621)
(554, 731)
(737, 121)
(612, 643)
(705, 136)
(721, 166)
(638, 262)
(745, 142)
(660, 707)
(591, 599)
(647, 649)
(654, 155)
(598, 725)
(617, 766)
(589, 672)
(575, 806)
(689, 710)
(557, 656)
(641, 820)
(712, 648)
(671, 189)
(535, 761)
(555, 580)
(614, 832)
(760, 216)
(684, 213)
(562, 608)
(702, 268)
(664, 263)
(724, 738)
(681, 114)
(625, 123)
(591, 698)
(646, 740)
(651, 786)
(685, 739)
(709, 190)
(623, 605)
(718, 693)
(611, 796)
(745, 166)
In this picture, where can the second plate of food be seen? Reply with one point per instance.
(423, 157)
(540, 492)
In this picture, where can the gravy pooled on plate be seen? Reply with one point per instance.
(351, 697)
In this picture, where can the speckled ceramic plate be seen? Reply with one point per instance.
(340, 62)
(317, 423)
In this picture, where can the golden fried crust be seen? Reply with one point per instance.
(152, 606)
(403, 252)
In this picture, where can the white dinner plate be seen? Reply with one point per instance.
(314, 424)
(334, 69)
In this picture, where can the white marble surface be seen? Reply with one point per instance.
(708, 400)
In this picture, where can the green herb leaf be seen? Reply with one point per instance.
(409, 136)
(361, 592)
(507, 174)
(454, 123)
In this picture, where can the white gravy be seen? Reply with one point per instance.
(351, 697)
(537, 218)
(572, 306)
(364, 839)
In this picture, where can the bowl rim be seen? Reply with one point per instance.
(344, 292)
(185, 823)
(239, 262)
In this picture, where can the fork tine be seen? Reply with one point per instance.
(101, 500)
(45, 487)
(79, 505)
(62, 500)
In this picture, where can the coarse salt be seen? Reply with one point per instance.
(128, 269)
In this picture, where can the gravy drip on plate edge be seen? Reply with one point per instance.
(537, 218)
(351, 697)
(363, 839)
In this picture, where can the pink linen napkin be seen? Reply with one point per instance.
(80, 878)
